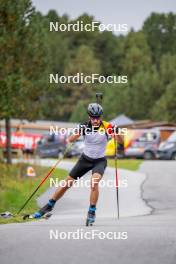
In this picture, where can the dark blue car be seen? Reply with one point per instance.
(167, 149)
(51, 146)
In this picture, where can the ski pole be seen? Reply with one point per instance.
(44, 179)
(116, 177)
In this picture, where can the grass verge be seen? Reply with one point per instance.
(128, 164)
(15, 189)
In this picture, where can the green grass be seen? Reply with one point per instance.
(128, 164)
(15, 189)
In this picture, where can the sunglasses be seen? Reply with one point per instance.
(95, 118)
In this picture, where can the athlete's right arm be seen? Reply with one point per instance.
(77, 133)
(72, 138)
(80, 131)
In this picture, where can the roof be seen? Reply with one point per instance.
(122, 120)
(37, 126)
(151, 124)
(41, 126)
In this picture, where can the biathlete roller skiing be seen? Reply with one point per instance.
(95, 133)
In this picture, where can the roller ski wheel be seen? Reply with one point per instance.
(33, 216)
(90, 218)
(88, 223)
(44, 212)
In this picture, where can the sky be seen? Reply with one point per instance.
(130, 12)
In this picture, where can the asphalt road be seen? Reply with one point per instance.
(145, 233)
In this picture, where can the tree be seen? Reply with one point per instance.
(145, 88)
(167, 69)
(165, 107)
(137, 54)
(109, 50)
(22, 66)
(80, 112)
(82, 38)
(84, 62)
(160, 31)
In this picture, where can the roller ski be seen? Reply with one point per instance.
(32, 216)
(91, 216)
(44, 212)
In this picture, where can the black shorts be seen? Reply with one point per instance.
(86, 164)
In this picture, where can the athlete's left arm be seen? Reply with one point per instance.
(115, 133)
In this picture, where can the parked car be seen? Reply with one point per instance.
(167, 149)
(51, 146)
(147, 144)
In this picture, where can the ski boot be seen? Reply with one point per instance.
(91, 216)
(44, 212)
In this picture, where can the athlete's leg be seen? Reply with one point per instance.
(97, 173)
(66, 184)
(80, 168)
(57, 195)
(96, 177)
